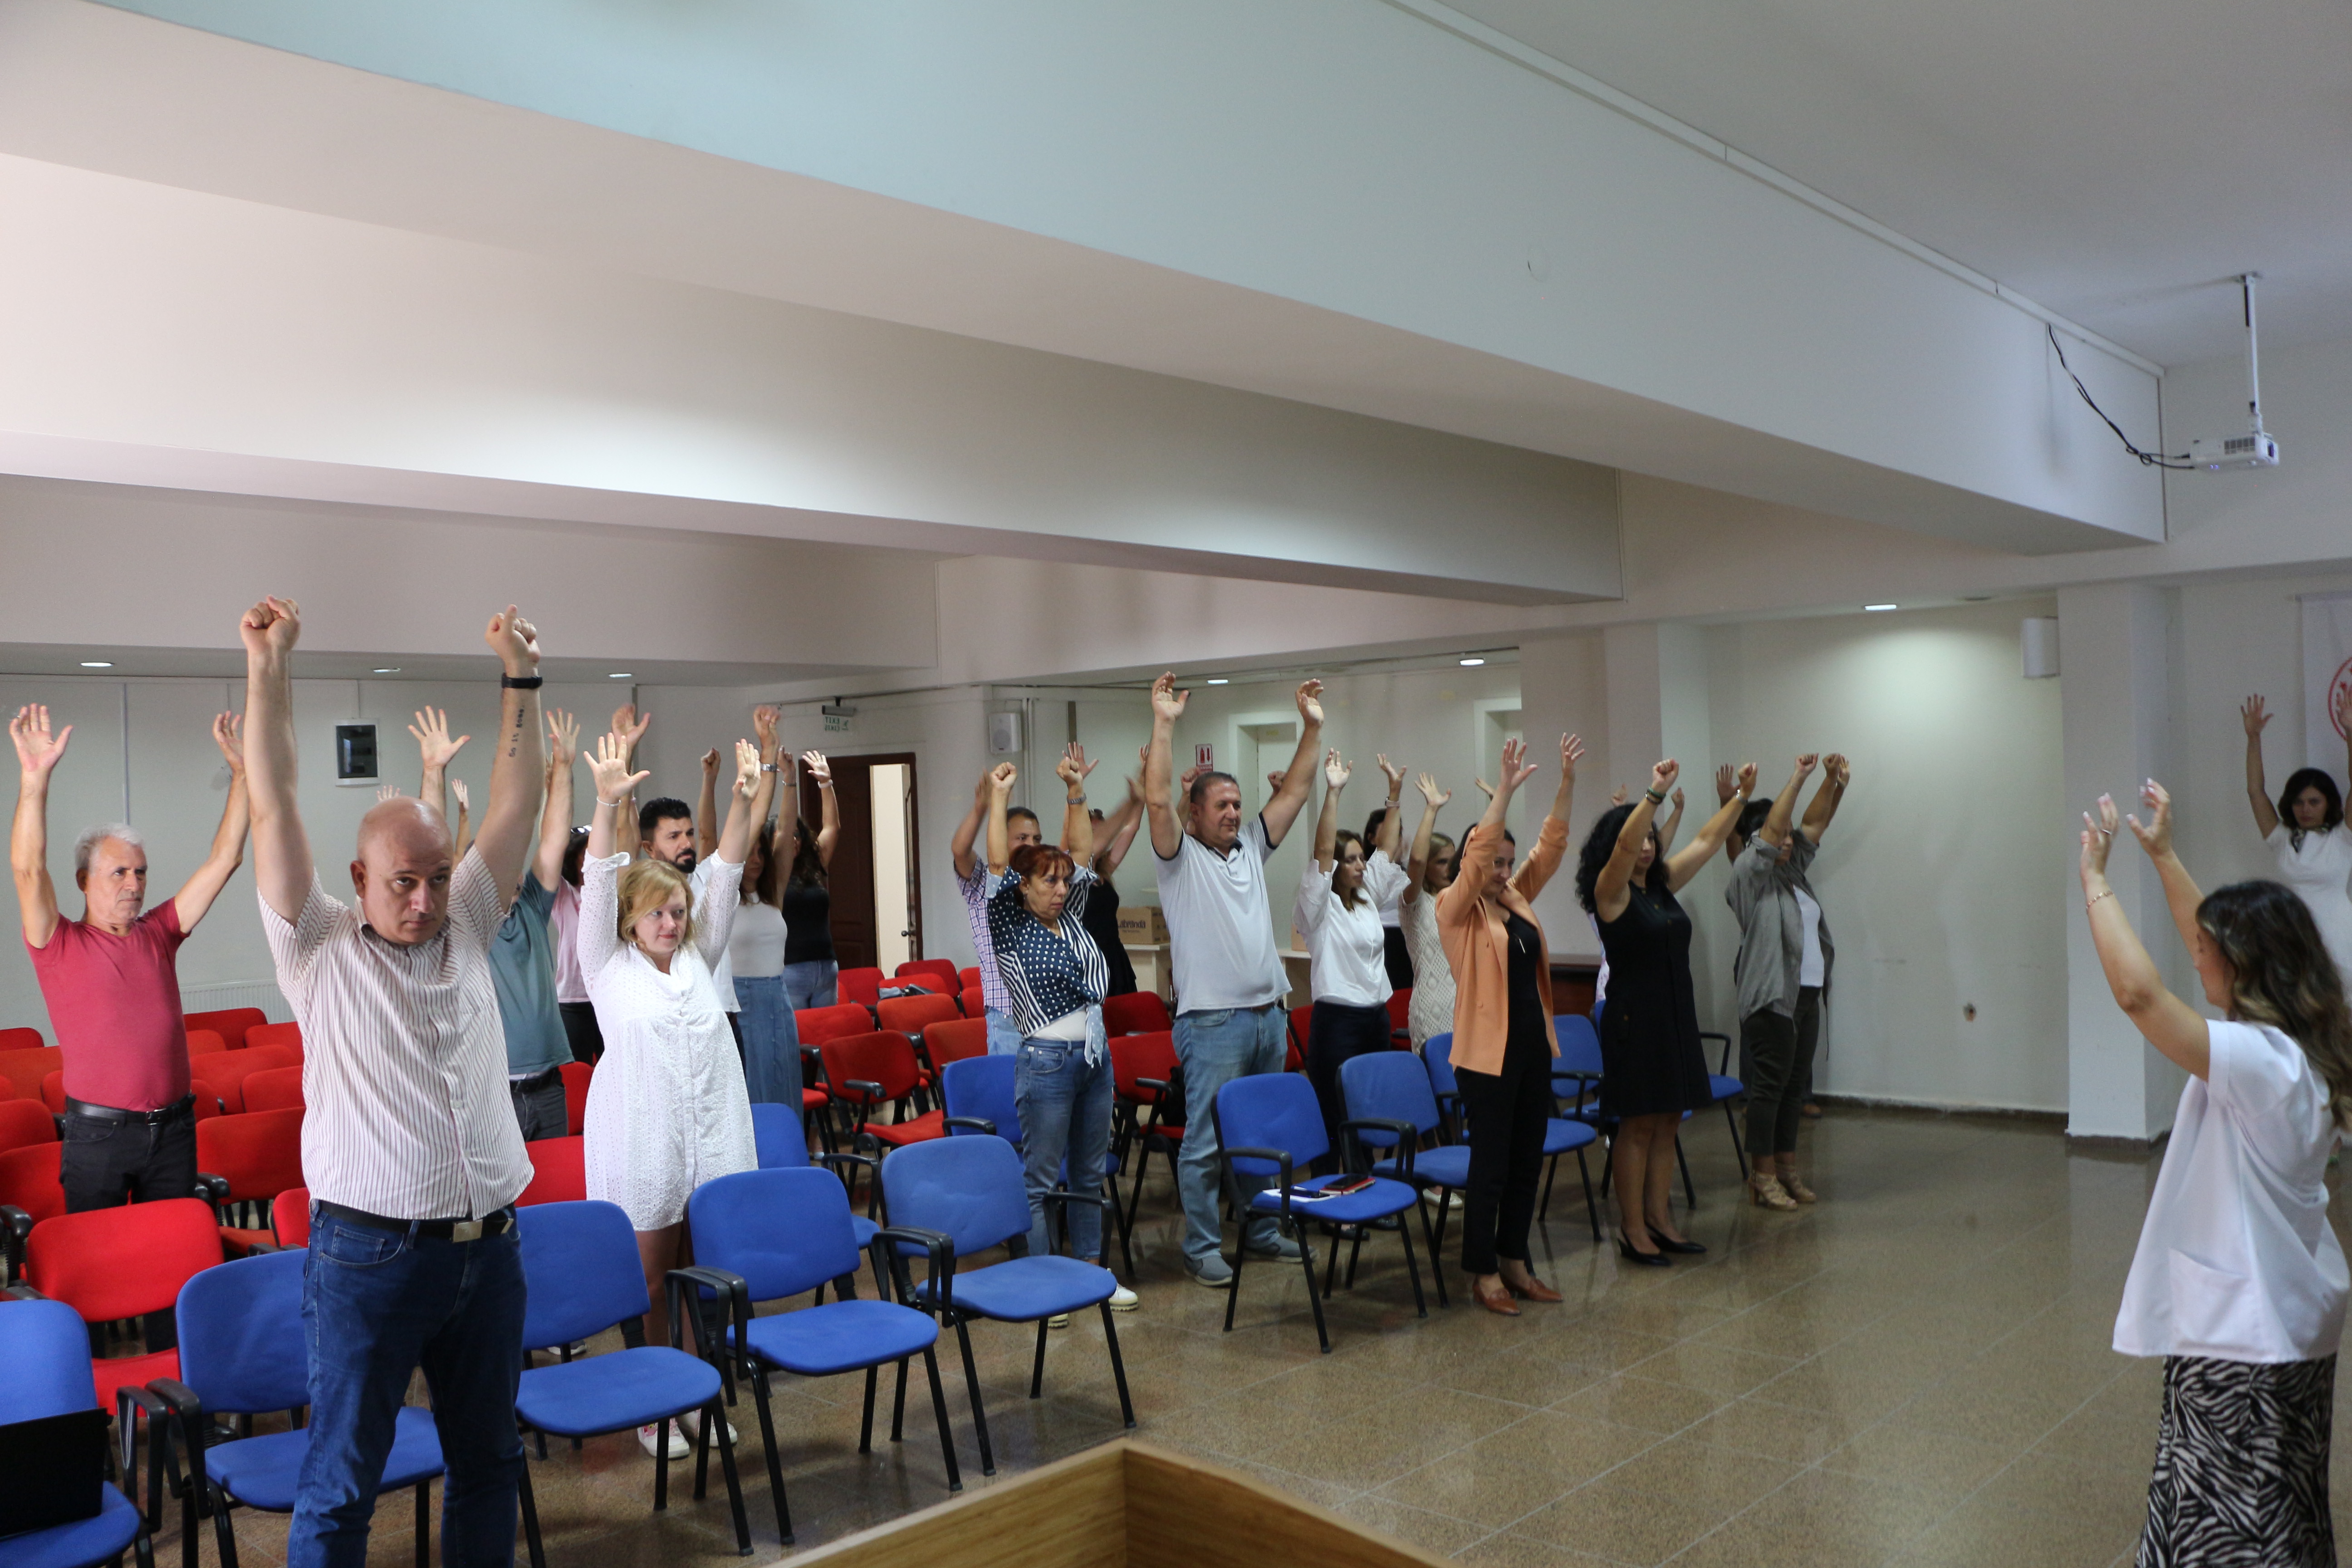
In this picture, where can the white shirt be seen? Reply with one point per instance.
(404, 1063)
(1220, 925)
(564, 926)
(722, 973)
(755, 948)
(2236, 1259)
(1810, 969)
(1347, 945)
(1432, 1011)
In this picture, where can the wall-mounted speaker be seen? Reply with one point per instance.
(2038, 638)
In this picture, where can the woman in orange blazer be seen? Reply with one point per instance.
(1503, 1041)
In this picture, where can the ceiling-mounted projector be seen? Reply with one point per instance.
(2256, 449)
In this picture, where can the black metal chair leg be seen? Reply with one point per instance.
(1126, 1252)
(1591, 1209)
(1411, 1267)
(768, 1437)
(530, 1522)
(1307, 1260)
(1543, 1209)
(979, 1414)
(1330, 1263)
(866, 1431)
(939, 1407)
(1233, 1285)
(1436, 1269)
(1038, 1371)
(1118, 1367)
(711, 1414)
(424, 1526)
(1690, 1192)
(225, 1533)
(661, 1467)
(898, 1405)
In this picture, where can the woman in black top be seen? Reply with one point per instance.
(810, 972)
(1113, 834)
(1652, 1070)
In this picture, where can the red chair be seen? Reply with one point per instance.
(818, 1024)
(1135, 1013)
(870, 1070)
(30, 1191)
(203, 1042)
(22, 1040)
(258, 1155)
(25, 1123)
(1150, 1119)
(24, 1067)
(863, 987)
(1301, 1021)
(911, 1016)
(954, 1040)
(123, 1263)
(228, 1071)
(287, 1035)
(53, 1093)
(290, 1216)
(275, 1088)
(207, 1098)
(559, 1172)
(229, 1023)
(939, 973)
(968, 977)
(575, 1094)
(974, 1001)
(1400, 1015)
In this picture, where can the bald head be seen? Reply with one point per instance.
(402, 875)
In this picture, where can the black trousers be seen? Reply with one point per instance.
(1780, 1054)
(1335, 1032)
(105, 1164)
(580, 1028)
(1509, 1112)
(1397, 956)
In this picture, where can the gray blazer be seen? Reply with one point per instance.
(1763, 894)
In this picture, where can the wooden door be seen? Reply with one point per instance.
(851, 874)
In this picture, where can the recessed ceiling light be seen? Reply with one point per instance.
(1219, 681)
(621, 675)
(98, 664)
(1472, 663)
(387, 669)
(1875, 608)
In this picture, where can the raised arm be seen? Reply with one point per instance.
(608, 769)
(1726, 781)
(1836, 774)
(2182, 894)
(1692, 860)
(555, 814)
(196, 895)
(1474, 871)
(1609, 894)
(1118, 831)
(464, 837)
(706, 808)
(1417, 867)
(1336, 775)
(37, 754)
(518, 771)
(1674, 823)
(1774, 830)
(2163, 1020)
(435, 748)
(1392, 831)
(997, 787)
(1077, 823)
(1283, 809)
(828, 827)
(630, 726)
(1167, 829)
(281, 851)
(2256, 718)
(772, 764)
(747, 803)
(959, 843)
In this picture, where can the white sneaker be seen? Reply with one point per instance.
(692, 1420)
(1059, 1320)
(679, 1449)
(1122, 1300)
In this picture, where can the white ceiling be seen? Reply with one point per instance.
(2112, 159)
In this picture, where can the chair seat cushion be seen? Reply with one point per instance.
(264, 1473)
(1448, 1165)
(922, 1129)
(1563, 1135)
(841, 1336)
(112, 1373)
(1381, 1199)
(1026, 1289)
(1724, 1087)
(105, 1535)
(865, 1230)
(614, 1392)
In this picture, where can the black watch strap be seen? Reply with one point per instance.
(520, 682)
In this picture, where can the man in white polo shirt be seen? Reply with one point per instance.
(1230, 983)
(410, 1145)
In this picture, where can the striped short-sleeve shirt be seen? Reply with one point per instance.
(404, 1064)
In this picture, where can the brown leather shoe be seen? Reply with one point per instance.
(1498, 1300)
(1533, 1290)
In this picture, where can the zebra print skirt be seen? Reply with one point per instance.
(2242, 1466)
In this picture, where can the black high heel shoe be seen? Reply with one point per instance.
(1646, 1260)
(1665, 1244)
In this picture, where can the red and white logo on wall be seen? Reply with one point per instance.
(2327, 676)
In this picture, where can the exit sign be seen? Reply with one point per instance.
(839, 723)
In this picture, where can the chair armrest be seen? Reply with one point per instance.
(15, 1224)
(975, 1123)
(129, 1401)
(1281, 1157)
(187, 1423)
(215, 1190)
(891, 1266)
(23, 1293)
(723, 1286)
(1407, 1136)
(1723, 1058)
(1159, 1085)
(254, 1250)
(867, 1087)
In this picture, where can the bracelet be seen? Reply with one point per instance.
(2109, 894)
(1655, 797)
(520, 682)
(611, 805)
(1077, 799)
(767, 767)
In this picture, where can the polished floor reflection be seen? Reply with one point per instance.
(1914, 1372)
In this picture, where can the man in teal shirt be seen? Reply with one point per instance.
(522, 958)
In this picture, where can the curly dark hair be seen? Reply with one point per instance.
(2297, 783)
(1602, 843)
(2281, 975)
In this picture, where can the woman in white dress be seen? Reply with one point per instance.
(1429, 871)
(667, 1109)
(2306, 830)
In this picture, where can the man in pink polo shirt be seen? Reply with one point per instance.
(110, 982)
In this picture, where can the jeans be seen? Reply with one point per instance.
(376, 1304)
(1508, 1112)
(1003, 1034)
(1065, 1123)
(1216, 1047)
(1781, 1052)
(771, 1042)
(104, 1165)
(540, 1112)
(1335, 1032)
(812, 983)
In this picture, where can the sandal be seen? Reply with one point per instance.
(1769, 1194)
(1799, 1191)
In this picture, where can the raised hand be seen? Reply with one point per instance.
(229, 734)
(1166, 702)
(515, 641)
(609, 765)
(271, 627)
(1435, 796)
(431, 733)
(1336, 771)
(1485, 788)
(1000, 777)
(1310, 703)
(1746, 778)
(1663, 776)
(2155, 835)
(1677, 798)
(1073, 767)
(1806, 763)
(763, 725)
(1393, 772)
(2098, 838)
(710, 763)
(1571, 751)
(1274, 781)
(465, 801)
(37, 749)
(747, 769)
(1840, 772)
(1516, 769)
(562, 737)
(386, 791)
(1726, 784)
(820, 771)
(2253, 716)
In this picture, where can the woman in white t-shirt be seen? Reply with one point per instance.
(2239, 1282)
(1339, 914)
(2307, 833)
(1429, 871)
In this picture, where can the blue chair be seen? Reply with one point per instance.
(763, 1235)
(782, 1145)
(1726, 1088)
(243, 1352)
(1569, 1134)
(1270, 1125)
(1388, 1096)
(983, 1096)
(45, 1348)
(581, 1267)
(1579, 1069)
(965, 1196)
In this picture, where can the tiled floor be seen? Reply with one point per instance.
(1914, 1372)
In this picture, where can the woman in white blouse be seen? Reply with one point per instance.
(1429, 871)
(1339, 914)
(2306, 831)
(2239, 1282)
(667, 1109)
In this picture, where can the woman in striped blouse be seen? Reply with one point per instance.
(1055, 979)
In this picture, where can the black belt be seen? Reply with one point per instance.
(114, 1116)
(537, 1081)
(495, 1223)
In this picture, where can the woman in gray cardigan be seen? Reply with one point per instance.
(1784, 970)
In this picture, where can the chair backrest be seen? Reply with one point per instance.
(581, 1270)
(290, 1216)
(274, 1089)
(911, 1016)
(229, 1023)
(1135, 1013)
(1302, 1024)
(940, 969)
(259, 1152)
(1151, 1055)
(228, 1071)
(24, 1067)
(122, 1262)
(203, 1042)
(22, 1039)
(863, 987)
(778, 1136)
(1400, 1009)
(969, 1189)
(968, 978)
(207, 1099)
(29, 1179)
(818, 1024)
(242, 1344)
(284, 1036)
(955, 1040)
(559, 1171)
(1437, 1058)
(1392, 1086)
(53, 1092)
(974, 1001)
(576, 1077)
(1271, 1110)
(45, 1348)
(987, 1088)
(1580, 1044)
(785, 1232)
(879, 1056)
(23, 1122)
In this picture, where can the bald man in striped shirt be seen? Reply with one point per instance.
(410, 1145)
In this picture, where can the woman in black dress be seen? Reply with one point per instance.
(1652, 1070)
(810, 970)
(1113, 834)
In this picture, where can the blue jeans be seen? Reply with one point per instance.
(771, 1042)
(812, 983)
(1064, 1121)
(1003, 1034)
(1216, 1047)
(377, 1304)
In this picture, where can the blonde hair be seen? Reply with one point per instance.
(646, 886)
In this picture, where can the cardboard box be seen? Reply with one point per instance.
(1141, 925)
